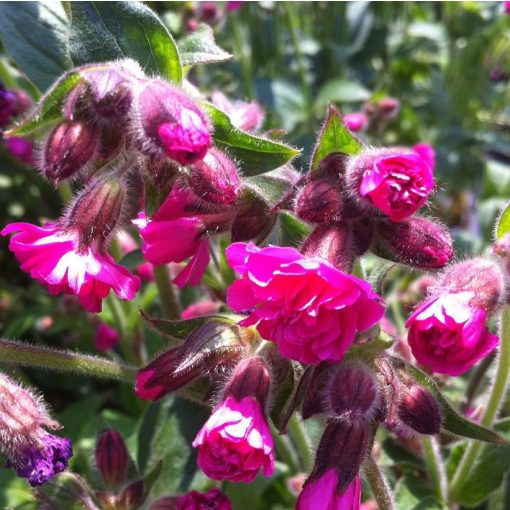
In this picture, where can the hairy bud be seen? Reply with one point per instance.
(332, 242)
(320, 200)
(112, 458)
(132, 497)
(97, 210)
(419, 410)
(481, 276)
(353, 393)
(215, 178)
(168, 122)
(250, 378)
(417, 242)
(254, 220)
(69, 148)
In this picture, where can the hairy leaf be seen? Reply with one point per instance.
(199, 47)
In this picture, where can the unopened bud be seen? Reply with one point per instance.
(353, 393)
(388, 107)
(132, 496)
(112, 458)
(332, 242)
(416, 241)
(356, 121)
(250, 378)
(69, 148)
(419, 410)
(482, 276)
(170, 123)
(97, 210)
(320, 200)
(215, 178)
(254, 220)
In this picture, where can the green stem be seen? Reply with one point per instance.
(170, 306)
(284, 449)
(435, 467)
(28, 355)
(378, 484)
(300, 438)
(242, 55)
(496, 398)
(119, 319)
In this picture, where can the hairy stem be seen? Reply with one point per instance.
(379, 486)
(496, 398)
(300, 438)
(28, 355)
(435, 467)
(170, 306)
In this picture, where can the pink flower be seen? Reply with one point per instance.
(234, 6)
(186, 140)
(235, 442)
(427, 153)
(106, 338)
(397, 182)
(212, 500)
(127, 244)
(506, 6)
(311, 309)
(245, 116)
(448, 334)
(356, 121)
(200, 309)
(21, 148)
(322, 493)
(54, 257)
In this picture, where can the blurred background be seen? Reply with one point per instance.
(434, 72)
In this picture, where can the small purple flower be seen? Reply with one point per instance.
(39, 464)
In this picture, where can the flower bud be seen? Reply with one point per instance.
(393, 182)
(332, 242)
(254, 220)
(356, 121)
(194, 500)
(419, 410)
(132, 497)
(416, 241)
(481, 276)
(169, 122)
(320, 200)
(388, 107)
(353, 393)
(7, 105)
(112, 458)
(215, 178)
(250, 378)
(105, 338)
(69, 148)
(20, 148)
(97, 210)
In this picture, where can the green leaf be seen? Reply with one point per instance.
(66, 490)
(291, 230)
(178, 330)
(49, 108)
(340, 91)
(334, 137)
(133, 259)
(35, 34)
(271, 187)
(199, 47)
(256, 155)
(413, 493)
(503, 226)
(105, 31)
(453, 422)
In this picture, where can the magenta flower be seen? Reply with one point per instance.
(212, 500)
(356, 121)
(127, 244)
(427, 153)
(311, 309)
(56, 258)
(397, 182)
(178, 231)
(506, 7)
(106, 338)
(448, 334)
(235, 442)
(323, 493)
(245, 116)
(20, 148)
